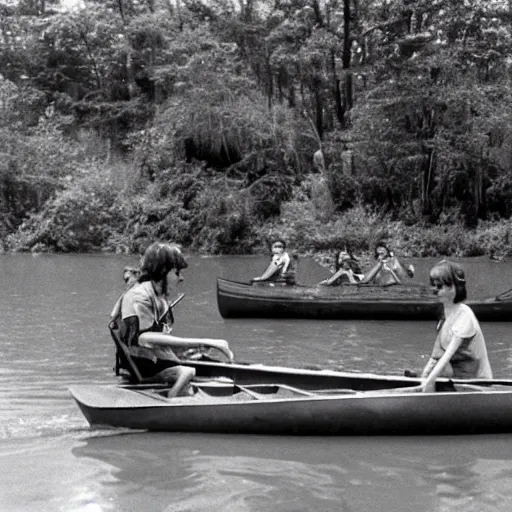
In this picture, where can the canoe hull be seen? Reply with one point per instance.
(241, 300)
(387, 414)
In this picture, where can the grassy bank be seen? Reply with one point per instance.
(94, 222)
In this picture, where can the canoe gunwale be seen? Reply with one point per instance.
(310, 395)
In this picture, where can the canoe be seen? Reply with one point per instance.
(281, 409)
(400, 302)
(143, 368)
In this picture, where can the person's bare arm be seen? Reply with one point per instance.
(428, 384)
(162, 340)
(269, 272)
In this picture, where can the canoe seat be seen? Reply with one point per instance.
(266, 391)
(337, 391)
(469, 387)
(277, 390)
(127, 368)
(250, 392)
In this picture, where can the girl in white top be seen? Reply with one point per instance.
(279, 264)
(459, 349)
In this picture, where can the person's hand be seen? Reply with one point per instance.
(324, 282)
(223, 346)
(222, 343)
(193, 353)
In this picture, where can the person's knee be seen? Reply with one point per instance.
(187, 372)
(182, 382)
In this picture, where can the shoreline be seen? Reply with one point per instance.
(356, 229)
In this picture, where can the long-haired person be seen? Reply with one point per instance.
(347, 269)
(142, 320)
(144, 308)
(388, 270)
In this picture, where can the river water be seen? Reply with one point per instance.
(53, 334)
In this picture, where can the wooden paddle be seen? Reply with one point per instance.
(176, 301)
(504, 296)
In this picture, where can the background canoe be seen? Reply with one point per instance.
(404, 302)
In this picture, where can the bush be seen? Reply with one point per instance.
(79, 218)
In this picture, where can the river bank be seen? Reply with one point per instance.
(307, 235)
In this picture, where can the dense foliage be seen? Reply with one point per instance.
(129, 120)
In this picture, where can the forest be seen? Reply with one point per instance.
(220, 124)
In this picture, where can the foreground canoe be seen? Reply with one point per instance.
(404, 302)
(278, 409)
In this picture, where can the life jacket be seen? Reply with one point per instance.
(114, 325)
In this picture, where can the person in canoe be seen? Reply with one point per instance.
(388, 270)
(144, 308)
(282, 267)
(347, 270)
(459, 350)
(130, 276)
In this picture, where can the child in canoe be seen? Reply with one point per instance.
(459, 349)
(142, 318)
(347, 270)
(388, 270)
(130, 276)
(282, 267)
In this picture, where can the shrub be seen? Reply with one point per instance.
(81, 217)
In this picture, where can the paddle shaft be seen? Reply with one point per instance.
(504, 296)
(176, 301)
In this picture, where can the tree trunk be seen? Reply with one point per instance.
(128, 62)
(336, 89)
(346, 59)
(270, 83)
(428, 179)
(318, 111)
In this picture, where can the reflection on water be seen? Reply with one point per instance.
(53, 334)
(203, 473)
(200, 473)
